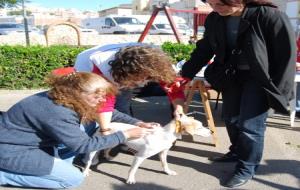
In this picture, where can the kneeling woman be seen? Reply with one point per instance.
(32, 130)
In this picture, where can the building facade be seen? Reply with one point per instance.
(123, 9)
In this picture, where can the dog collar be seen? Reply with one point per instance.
(178, 128)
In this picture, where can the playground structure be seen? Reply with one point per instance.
(199, 18)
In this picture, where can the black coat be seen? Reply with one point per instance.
(266, 39)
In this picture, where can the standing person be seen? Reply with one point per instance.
(32, 129)
(257, 41)
(130, 65)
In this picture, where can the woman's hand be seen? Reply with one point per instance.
(149, 125)
(178, 111)
(136, 132)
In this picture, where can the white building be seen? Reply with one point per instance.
(146, 7)
(123, 9)
(140, 7)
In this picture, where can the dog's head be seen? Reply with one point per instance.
(192, 126)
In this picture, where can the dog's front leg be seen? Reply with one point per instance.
(163, 159)
(135, 165)
(89, 159)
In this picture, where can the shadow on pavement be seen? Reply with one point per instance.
(141, 186)
(278, 167)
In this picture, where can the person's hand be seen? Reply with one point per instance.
(148, 125)
(136, 132)
(178, 112)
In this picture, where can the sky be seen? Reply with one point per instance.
(94, 5)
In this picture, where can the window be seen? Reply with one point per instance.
(126, 20)
(163, 26)
(109, 22)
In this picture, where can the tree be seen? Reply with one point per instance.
(9, 3)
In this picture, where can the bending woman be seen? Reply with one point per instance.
(32, 130)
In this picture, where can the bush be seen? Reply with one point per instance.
(26, 67)
(178, 51)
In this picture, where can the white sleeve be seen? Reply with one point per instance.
(83, 62)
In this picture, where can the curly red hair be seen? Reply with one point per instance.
(67, 90)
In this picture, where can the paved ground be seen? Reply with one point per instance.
(280, 168)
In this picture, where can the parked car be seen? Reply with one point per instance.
(114, 24)
(185, 29)
(10, 28)
(163, 28)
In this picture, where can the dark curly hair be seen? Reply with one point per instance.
(138, 63)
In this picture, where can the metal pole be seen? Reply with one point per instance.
(25, 24)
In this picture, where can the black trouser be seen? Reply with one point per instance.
(245, 111)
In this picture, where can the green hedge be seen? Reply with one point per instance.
(178, 51)
(25, 67)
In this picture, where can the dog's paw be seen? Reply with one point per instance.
(131, 180)
(170, 172)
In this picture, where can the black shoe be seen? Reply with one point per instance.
(235, 182)
(228, 157)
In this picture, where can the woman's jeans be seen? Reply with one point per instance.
(63, 173)
(245, 111)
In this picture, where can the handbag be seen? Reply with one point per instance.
(221, 75)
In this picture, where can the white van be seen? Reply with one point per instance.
(114, 24)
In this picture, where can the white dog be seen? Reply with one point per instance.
(160, 141)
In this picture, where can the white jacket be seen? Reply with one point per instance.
(100, 57)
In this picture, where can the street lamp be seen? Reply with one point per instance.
(25, 24)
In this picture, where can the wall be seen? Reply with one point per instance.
(86, 39)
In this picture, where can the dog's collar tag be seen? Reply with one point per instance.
(178, 127)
